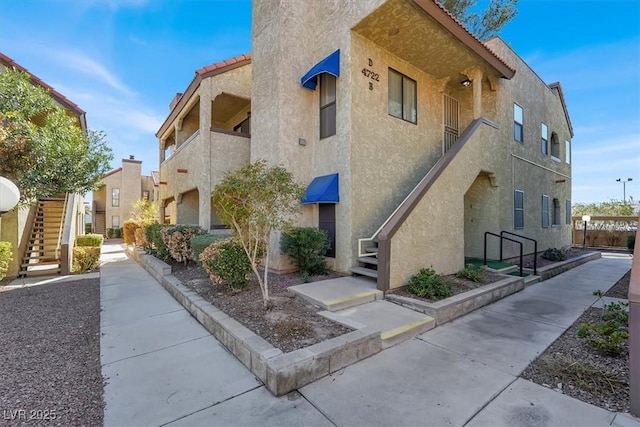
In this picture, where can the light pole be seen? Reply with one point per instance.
(624, 188)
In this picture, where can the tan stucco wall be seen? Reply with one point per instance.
(12, 225)
(208, 155)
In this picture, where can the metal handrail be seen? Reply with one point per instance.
(535, 249)
(501, 239)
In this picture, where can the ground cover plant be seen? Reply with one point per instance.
(573, 366)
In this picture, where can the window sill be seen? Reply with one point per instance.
(556, 159)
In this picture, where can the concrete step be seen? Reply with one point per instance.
(506, 270)
(338, 294)
(42, 264)
(368, 260)
(396, 324)
(40, 273)
(530, 280)
(363, 271)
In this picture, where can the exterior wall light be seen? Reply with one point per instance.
(466, 83)
(9, 195)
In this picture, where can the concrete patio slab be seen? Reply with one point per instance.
(149, 334)
(504, 342)
(395, 323)
(524, 403)
(412, 384)
(260, 409)
(162, 386)
(339, 293)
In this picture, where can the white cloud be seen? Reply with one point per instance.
(90, 67)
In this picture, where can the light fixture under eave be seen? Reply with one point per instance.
(9, 195)
(466, 83)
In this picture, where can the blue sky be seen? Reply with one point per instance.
(122, 61)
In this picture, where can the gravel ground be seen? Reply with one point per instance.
(289, 324)
(50, 371)
(573, 367)
(527, 260)
(620, 289)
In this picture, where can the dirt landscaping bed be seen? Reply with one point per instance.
(620, 289)
(290, 323)
(50, 355)
(543, 262)
(573, 367)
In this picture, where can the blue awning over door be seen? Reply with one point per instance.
(323, 189)
(330, 64)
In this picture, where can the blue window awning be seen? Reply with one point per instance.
(330, 65)
(323, 189)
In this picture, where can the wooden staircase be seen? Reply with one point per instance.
(42, 255)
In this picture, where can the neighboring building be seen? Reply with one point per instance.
(414, 136)
(43, 235)
(119, 190)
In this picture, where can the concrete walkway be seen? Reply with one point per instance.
(163, 368)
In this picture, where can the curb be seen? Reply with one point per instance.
(280, 372)
(458, 305)
(551, 270)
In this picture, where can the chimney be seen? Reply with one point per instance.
(132, 157)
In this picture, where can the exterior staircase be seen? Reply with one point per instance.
(368, 262)
(42, 254)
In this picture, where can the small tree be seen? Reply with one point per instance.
(144, 211)
(254, 201)
(487, 23)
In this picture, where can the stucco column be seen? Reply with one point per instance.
(475, 75)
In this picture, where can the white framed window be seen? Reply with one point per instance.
(115, 197)
(115, 221)
(544, 139)
(545, 211)
(327, 105)
(555, 147)
(518, 120)
(518, 209)
(403, 102)
(567, 152)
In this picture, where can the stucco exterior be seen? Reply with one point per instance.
(381, 160)
(130, 185)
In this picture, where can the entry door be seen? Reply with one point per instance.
(450, 119)
(327, 222)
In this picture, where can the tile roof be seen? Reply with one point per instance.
(36, 80)
(219, 66)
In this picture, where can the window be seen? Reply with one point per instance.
(115, 221)
(568, 211)
(518, 129)
(556, 212)
(567, 152)
(544, 138)
(518, 209)
(545, 211)
(327, 105)
(115, 197)
(555, 147)
(402, 97)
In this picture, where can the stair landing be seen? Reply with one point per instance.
(340, 293)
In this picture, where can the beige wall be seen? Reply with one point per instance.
(209, 154)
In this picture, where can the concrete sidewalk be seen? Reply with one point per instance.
(163, 368)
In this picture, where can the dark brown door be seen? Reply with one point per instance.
(327, 222)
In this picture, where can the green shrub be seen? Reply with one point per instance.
(429, 284)
(631, 242)
(177, 239)
(226, 262)
(87, 228)
(610, 335)
(153, 236)
(306, 246)
(129, 231)
(554, 254)
(85, 258)
(6, 255)
(89, 240)
(473, 273)
(117, 233)
(200, 243)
